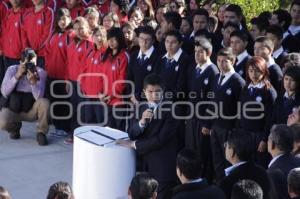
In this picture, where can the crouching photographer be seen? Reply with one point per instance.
(23, 90)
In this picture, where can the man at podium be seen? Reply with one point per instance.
(153, 135)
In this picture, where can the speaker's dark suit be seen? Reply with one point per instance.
(156, 144)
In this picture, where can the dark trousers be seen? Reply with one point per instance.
(60, 109)
(116, 117)
(218, 137)
(195, 140)
(75, 100)
(95, 112)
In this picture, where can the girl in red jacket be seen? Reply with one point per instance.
(115, 61)
(56, 67)
(93, 79)
(77, 53)
(37, 28)
(11, 34)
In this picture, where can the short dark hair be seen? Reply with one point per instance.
(240, 34)
(240, 141)
(231, 24)
(266, 41)
(189, 164)
(260, 23)
(235, 8)
(227, 52)
(293, 180)
(295, 2)
(275, 30)
(154, 80)
(148, 30)
(294, 72)
(27, 53)
(283, 16)
(282, 137)
(205, 44)
(174, 18)
(143, 186)
(175, 33)
(204, 33)
(296, 132)
(60, 190)
(202, 12)
(246, 189)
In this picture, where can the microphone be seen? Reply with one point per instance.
(148, 120)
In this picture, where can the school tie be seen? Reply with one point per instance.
(198, 72)
(221, 80)
(142, 59)
(168, 63)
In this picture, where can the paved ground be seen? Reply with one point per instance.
(27, 170)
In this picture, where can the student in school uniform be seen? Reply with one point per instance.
(103, 6)
(263, 47)
(93, 82)
(289, 100)
(77, 52)
(76, 8)
(37, 28)
(142, 63)
(115, 62)
(291, 38)
(238, 43)
(92, 16)
(56, 68)
(200, 22)
(11, 35)
(226, 91)
(201, 76)
(275, 32)
(261, 95)
(228, 28)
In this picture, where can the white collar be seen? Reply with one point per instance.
(204, 66)
(292, 30)
(289, 97)
(274, 159)
(192, 34)
(176, 56)
(259, 85)
(227, 76)
(270, 62)
(231, 168)
(278, 52)
(241, 57)
(147, 54)
(222, 44)
(241, 27)
(195, 181)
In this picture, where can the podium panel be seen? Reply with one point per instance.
(101, 171)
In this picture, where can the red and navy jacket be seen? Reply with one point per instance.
(115, 70)
(102, 7)
(77, 53)
(3, 11)
(92, 83)
(54, 4)
(37, 28)
(77, 11)
(11, 38)
(56, 55)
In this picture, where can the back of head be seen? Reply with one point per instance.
(4, 193)
(294, 182)
(189, 164)
(246, 189)
(60, 190)
(143, 187)
(281, 137)
(174, 18)
(235, 8)
(240, 142)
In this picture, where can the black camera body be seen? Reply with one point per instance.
(27, 55)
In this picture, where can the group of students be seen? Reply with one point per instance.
(219, 75)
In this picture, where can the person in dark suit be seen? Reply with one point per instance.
(188, 166)
(141, 62)
(246, 189)
(293, 183)
(200, 22)
(275, 32)
(263, 47)
(142, 186)
(201, 73)
(280, 146)
(222, 117)
(152, 131)
(238, 43)
(239, 151)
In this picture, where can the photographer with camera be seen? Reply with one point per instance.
(23, 90)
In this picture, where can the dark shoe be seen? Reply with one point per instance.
(14, 135)
(41, 139)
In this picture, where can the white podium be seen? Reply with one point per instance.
(101, 169)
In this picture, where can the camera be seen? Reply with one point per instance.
(27, 55)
